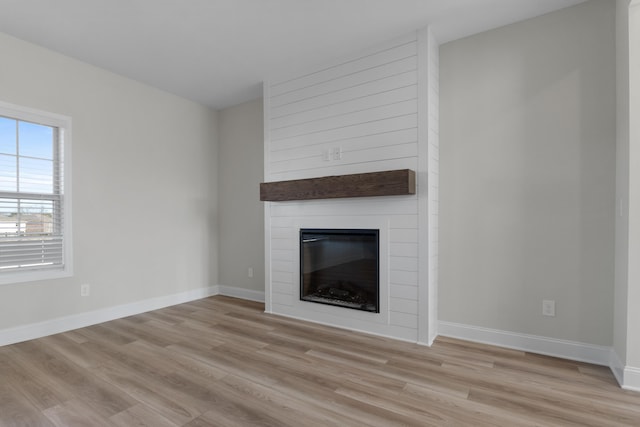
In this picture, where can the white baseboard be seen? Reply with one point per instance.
(631, 379)
(627, 376)
(81, 320)
(248, 294)
(616, 366)
(572, 350)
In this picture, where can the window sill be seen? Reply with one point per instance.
(33, 276)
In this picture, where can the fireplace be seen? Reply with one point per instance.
(340, 267)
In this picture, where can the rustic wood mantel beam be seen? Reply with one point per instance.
(387, 183)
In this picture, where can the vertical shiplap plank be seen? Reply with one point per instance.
(434, 180)
(268, 300)
(423, 188)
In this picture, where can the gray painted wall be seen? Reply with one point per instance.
(241, 220)
(528, 176)
(144, 186)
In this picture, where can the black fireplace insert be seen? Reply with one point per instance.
(340, 267)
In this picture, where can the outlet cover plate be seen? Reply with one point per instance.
(548, 307)
(85, 290)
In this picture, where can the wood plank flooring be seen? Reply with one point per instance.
(223, 362)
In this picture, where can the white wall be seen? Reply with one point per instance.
(241, 165)
(144, 187)
(374, 107)
(528, 176)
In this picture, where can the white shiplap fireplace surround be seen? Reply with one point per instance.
(375, 111)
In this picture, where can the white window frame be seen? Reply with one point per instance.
(63, 125)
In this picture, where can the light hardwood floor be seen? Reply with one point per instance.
(222, 362)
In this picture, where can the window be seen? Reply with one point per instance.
(34, 195)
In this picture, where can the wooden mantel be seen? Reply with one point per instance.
(387, 183)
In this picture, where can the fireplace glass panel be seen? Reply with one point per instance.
(340, 267)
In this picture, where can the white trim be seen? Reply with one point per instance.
(627, 376)
(631, 379)
(36, 275)
(34, 115)
(64, 125)
(599, 355)
(81, 320)
(248, 294)
(616, 366)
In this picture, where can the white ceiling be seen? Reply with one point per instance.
(217, 52)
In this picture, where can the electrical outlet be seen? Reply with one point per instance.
(548, 307)
(326, 156)
(85, 290)
(250, 272)
(337, 153)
